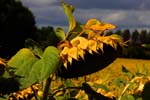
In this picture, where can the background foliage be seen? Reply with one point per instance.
(136, 39)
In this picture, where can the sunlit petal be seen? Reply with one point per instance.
(73, 52)
(92, 45)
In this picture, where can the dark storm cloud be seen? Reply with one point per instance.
(111, 4)
(123, 13)
(47, 12)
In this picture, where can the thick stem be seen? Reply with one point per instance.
(46, 88)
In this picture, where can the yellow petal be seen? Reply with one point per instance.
(70, 59)
(79, 42)
(108, 40)
(64, 51)
(2, 61)
(64, 60)
(96, 25)
(63, 44)
(91, 34)
(73, 52)
(75, 42)
(102, 27)
(111, 43)
(81, 53)
(90, 51)
(104, 39)
(108, 26)
(91, 22)
(83, 44)
(92, 45)
(100, 46)
(65, 64)
(118, 39)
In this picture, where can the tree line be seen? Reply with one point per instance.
(17, 24)
(135, 40)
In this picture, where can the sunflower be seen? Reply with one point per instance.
(90, 42)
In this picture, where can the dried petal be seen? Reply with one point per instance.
(113, 44)
(83, 44)
(91, 22)
(64, 59)
(90, 51)
(118, 39)
(92, 35)
(65, 64)
(100, 46)
(64, 51)
(104, 39)
(75, 42)
(80, 42)
(92, 45)
(96, 25)
(81, 53)
(73, 52)
(70, 59)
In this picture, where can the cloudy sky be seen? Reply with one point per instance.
(123, 13)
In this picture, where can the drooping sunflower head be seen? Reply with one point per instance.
(90, 40)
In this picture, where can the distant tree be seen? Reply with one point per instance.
(45, 36)
(143, 36)
(126, 35)
(109, 33)
(16, 24)
(118, 32)
(148, 37)
(135, 37)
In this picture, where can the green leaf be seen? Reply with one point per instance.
(34, 70)
(127, 72)
(22, 62)
(22, 57)
(4, 98)
(120, 81)
(137, 70)
(76, 31)
(131, 86)
(145, 69)
(142, 71)
(102, 86)
(69, 83)
(50, 60)
(68, 9)
(45, 66)
(128, 97)
(60, 33)
(146, 45)
(139, 98)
